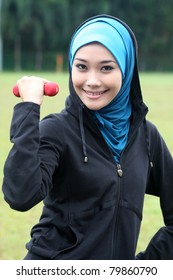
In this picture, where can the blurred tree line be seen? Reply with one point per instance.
(36, 33)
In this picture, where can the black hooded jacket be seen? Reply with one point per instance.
(92, 207)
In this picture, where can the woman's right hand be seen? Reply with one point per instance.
(31, 89)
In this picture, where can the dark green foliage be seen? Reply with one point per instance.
(38, 27)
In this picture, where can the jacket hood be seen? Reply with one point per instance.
(139, 110)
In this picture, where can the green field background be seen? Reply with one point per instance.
(15, 226)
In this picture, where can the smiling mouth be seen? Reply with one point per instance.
(94, 94)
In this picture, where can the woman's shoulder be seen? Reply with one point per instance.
(52, 124)
(155, 137)
(54, 119)
(152, 128)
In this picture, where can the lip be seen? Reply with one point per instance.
(94, 94)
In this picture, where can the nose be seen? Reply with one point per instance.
(93, 80)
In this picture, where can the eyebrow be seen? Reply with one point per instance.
(101, 62)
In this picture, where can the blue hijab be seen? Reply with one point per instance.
(114, 119)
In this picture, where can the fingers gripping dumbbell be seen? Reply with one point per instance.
(50, 89)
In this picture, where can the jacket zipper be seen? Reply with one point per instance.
(119, 170)
(120, 174)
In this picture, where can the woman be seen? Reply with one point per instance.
(92, 163)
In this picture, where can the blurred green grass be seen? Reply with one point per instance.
(15, 226)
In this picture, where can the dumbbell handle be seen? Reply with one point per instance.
(50, 89)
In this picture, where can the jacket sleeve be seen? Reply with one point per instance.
(32, 160)
(160, 184)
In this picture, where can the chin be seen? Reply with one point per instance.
(94, 108)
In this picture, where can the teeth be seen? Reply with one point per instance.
(94, 93)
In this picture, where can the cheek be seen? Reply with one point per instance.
(76, 80)
(115, 82)
(120, 84)
(119, 81)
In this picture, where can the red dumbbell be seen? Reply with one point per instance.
(50, 89)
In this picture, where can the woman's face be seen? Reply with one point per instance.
(96, 76)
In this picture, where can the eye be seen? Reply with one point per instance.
(81, 66)
(107, 68)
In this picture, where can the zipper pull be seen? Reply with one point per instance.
(119, 170)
